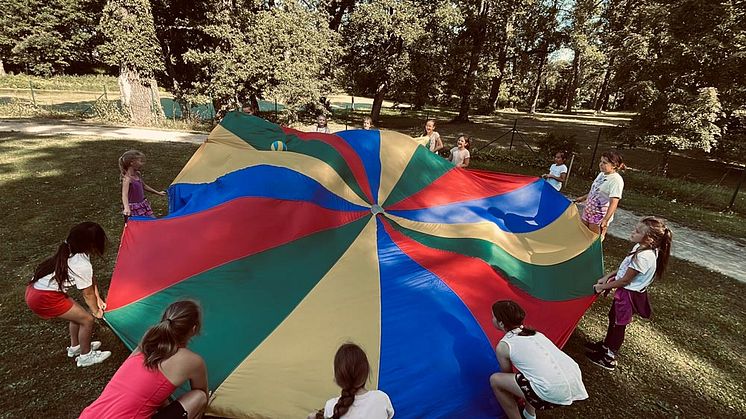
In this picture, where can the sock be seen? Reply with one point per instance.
(610, 354)
(74, 348)
(527, 415)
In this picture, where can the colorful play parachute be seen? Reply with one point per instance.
(295, 243)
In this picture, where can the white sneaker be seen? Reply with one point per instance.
(73, 351)
(93, 357)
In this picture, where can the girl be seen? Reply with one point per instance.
(133, 187)
(434, 141)
(647, 261)
(546, 376)
(321, 125)
(367, 123)
(46, 293)
(351, 372)
(606, 191)
(557, 171)
(160, 364)
(460, 154)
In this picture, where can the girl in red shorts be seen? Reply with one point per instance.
(46, 294)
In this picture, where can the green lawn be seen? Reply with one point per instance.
(687, 362)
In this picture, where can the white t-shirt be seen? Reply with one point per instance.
(555, 170)
(433, 141)
(645, 262)
(374, 404)
(458, 156)
(553, 375)
(79, 271)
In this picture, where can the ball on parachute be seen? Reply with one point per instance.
(278, 146)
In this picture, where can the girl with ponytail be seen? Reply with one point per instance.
(351, 372)
(646, 262)
(546, 377)
(161, 363)
(46, 293)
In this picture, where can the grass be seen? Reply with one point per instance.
(687, 362)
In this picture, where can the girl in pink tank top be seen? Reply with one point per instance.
(142, 385)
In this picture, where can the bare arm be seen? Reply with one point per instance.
(465, 163)
(613, 204)
(438, 143)
(198, 375)
(503, 357)
(125, 195)
(151, 190)
(89, 295)
(580, 198)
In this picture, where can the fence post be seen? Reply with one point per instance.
(512, 134)
(735, 193)
(33, 96)
(106, 95)
(595, 149)
(276, 120)
(353, 103)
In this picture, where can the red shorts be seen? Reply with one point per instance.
(47, 304)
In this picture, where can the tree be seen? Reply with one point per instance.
(477, 35)
(249, 52)
(378, 38)
(131, 45)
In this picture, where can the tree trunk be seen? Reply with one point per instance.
(572, 92)
(478, 38)
(603, 97)
(2, 68)
(155, 101)
(375, 111)
(497, 81)
(337, 10)
(136, 97)
(537, 84)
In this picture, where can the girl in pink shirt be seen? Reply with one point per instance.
(141, 386)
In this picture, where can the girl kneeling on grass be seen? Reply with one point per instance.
(647, 261)
(351, 372)
(46, 293)
(141, 386)
(546, 376)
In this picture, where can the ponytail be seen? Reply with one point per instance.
(664, 253)
(179, 323)
(658, 236)
(87, 237)
(126, 160)
(351, 372)
(57, 264)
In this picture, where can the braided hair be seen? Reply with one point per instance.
(351, 372)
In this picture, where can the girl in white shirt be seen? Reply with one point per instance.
(603, 199)
(460, 154)
(434, 143)
(546, 376)
(46, 293)
(558, 171)
(647, 261)
(351, 372)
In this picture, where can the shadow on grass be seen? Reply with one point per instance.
(56, 182)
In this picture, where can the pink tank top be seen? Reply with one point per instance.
(133, 392)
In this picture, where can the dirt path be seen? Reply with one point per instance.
(715, 253)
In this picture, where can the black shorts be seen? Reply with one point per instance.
(174, 410)
(530, 395)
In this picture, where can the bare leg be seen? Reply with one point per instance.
(506, 390)
(530, 409)
(74, 331)
(84, 322)
(194, 402)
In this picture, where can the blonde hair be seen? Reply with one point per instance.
(126, 160)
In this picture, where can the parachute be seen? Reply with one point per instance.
(294, 243)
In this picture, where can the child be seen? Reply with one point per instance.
(557, 171)
(159, 365)
(546, 376)
(606, 191)
(133, 187)
(434, 141)
(460, 154)
(321, 125)
(46, 293)
(351, 372)
(647, 261)
(367, 123)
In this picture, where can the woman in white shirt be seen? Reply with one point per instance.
(546, 376)
(351, 372)
(46, 293)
